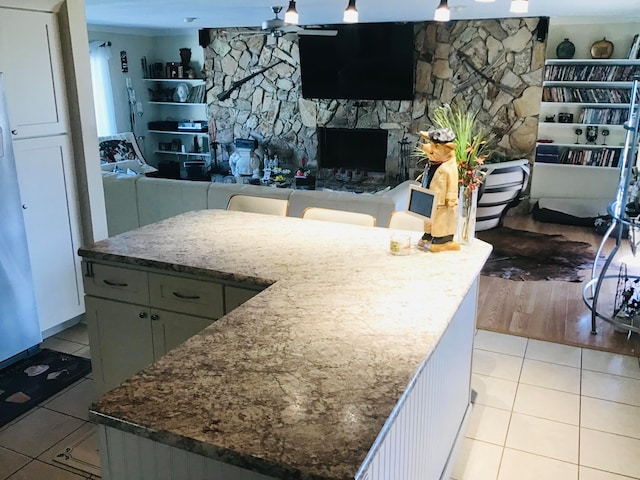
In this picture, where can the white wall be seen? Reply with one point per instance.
(583, 34)
(136, 47)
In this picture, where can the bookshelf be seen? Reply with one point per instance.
(179, 106)
(581, 95)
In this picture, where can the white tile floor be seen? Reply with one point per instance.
(543, 412)
(550, 411)
(27, 444)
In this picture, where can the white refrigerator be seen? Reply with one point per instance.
(19, 326)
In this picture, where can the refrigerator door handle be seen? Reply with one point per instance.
(1, 143)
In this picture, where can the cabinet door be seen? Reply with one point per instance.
(120, 338)
(30, 57)
(171, 329)
(236, 296)
(45, 176)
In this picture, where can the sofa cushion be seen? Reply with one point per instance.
(400, 194)
(160, 198)
(120, 202)
(378, 206)
(220, 193)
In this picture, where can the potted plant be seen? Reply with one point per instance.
(472, 142)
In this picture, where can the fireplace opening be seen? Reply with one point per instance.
(352, 149)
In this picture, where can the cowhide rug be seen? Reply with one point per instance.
(521, 255)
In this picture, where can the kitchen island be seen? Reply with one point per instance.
(350, 363)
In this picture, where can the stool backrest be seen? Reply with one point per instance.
(339, 216)
(401, 220)
(267, 206)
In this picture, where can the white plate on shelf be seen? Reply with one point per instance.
(181, 92)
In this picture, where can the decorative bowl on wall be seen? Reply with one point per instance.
(602, 49)
(565, 49)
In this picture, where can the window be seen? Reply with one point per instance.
(99, 54)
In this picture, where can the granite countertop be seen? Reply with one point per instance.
(298, 381)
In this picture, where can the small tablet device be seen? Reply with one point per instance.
(422, 202)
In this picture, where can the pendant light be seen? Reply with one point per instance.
(291, 15)
(519, 6)
(351, 13)
(442, 12)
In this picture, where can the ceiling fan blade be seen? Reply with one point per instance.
(290, 28)
(319, 33)
(249, 34)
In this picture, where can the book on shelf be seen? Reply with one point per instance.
(603, 116)
(547, 154)
(586, 95)
(603, 157)
(590, 73)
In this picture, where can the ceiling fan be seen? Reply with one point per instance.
(277, 27)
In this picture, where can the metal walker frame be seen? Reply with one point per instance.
(620, 218)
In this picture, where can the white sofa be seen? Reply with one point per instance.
(133, 201)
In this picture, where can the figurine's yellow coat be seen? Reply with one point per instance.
(445, 182)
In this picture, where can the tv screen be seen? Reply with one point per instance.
(352, 149)
(364, 61)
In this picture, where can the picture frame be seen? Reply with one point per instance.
(176, 145)
(173, 70)
(422, 202)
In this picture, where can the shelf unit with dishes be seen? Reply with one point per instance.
(581, 95)
(179, 100)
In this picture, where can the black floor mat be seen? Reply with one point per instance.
(28, 382)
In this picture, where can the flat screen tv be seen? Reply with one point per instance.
(362, 149)
(364, 61)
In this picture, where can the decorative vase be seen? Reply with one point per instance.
(185, 57)
(565, 49)
(467, 204)
(602, 49)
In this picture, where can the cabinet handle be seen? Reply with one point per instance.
(142, 314)
(155, 317)
(14, 132)
(186, 297)
(115, 284)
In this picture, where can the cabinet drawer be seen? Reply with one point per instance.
(184, 295)
(117, 283)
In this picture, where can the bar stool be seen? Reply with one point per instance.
(267, 206)
(339, 216)
(401, 220)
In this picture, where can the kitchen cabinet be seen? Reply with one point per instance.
(30, 57)
(235, 296)
(135, 316)
(131, 337)
(584, 104)
(120, 339)
(31, 61)
(51, 217)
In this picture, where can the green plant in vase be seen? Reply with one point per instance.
(472, 148)
(472, 141)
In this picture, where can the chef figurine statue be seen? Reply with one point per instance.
(441, 176)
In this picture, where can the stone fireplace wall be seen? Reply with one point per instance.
(270, 106)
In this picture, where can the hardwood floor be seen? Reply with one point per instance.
(553, 310)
